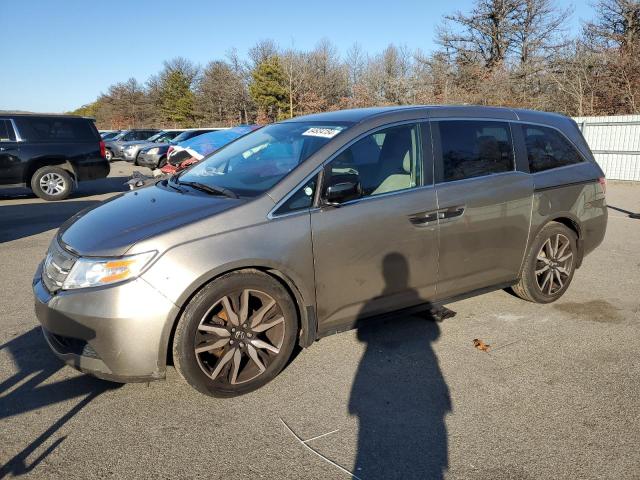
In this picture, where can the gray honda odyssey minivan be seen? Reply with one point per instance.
(300, 229)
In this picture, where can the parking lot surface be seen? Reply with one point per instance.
(557, 395)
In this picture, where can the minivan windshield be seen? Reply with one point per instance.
(257, 161)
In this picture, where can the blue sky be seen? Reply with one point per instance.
(63, 53)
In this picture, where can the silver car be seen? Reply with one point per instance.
(130, 150)
(303, 228)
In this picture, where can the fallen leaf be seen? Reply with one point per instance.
(480, 345)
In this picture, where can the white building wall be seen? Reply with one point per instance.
(615, 142)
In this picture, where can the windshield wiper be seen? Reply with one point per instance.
(212, 189)
(168, 183)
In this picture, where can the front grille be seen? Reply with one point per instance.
(57, 266)
(75, 346)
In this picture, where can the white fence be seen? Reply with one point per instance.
(615, 142)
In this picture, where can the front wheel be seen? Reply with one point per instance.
(108, 155)
(236, 334)
(549, 265)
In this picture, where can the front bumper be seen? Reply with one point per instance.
(149, 159)
(118, 333)
(117, 151)
(129, 155)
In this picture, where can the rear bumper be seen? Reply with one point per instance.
(92, 169)
(117, 333)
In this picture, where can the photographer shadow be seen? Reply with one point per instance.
(26, 391)
(399, 394)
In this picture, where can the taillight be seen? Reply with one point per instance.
(103, 151)
(603, 183)
(169, 151)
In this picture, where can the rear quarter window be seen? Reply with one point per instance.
(547, 148)
(6, 131)
(53, 129)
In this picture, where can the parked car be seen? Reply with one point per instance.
(192, 151)
(50, 153)
(115, 146)
(109, 134)
(308, 227)
(155, 156)
(131, 149)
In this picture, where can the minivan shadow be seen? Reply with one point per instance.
(24, 392)
(26, 219)
(399, 393)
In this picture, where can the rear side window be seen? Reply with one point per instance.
(474, 148)
(53, 129)
(6, 131)
(548, 148)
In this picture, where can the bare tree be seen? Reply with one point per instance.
(617, 24)
(262, 51)
(356, 63)
(485, 33)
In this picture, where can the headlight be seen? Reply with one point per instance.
(153, 151)
(93, 272)
(130, 147)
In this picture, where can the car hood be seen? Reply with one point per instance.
(113, 227)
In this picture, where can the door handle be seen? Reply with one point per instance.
(452, 212)
(423, 218)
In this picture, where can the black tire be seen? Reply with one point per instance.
(207, 311)
(52, 183)
(108, 155)
(553, 270)
(162, 162)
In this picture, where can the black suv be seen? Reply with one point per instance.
(49, 153)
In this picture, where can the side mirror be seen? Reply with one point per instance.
(342, 190)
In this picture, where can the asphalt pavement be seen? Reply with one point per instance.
(557, 395)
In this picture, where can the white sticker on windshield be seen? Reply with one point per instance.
(322, 132)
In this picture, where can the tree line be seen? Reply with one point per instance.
(514, 53)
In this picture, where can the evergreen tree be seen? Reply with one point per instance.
(176, 98)
(268, 89)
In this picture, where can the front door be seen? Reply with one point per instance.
(378, 252)
(11, 169)
(484, 205)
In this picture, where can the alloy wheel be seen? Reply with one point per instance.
(554, 264)
(239, 336)
(52, 183)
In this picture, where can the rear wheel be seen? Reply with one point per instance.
(549, 265)
(51, 183)
(236, 334)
